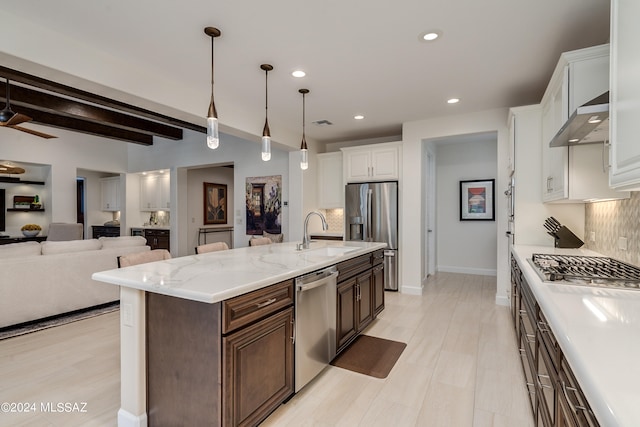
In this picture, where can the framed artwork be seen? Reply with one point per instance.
(215, 203)
(264, 204)
(477, 200)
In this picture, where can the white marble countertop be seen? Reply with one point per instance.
(598, 331)
(217, 276)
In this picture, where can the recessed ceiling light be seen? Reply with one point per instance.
(453, 101)
(358, 117)
(298, 73)
(429, 36)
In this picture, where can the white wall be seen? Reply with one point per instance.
(65, 155)
(412, 221)
(192, 152)
(195, 207)
(464, 246)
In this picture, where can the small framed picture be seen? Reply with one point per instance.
(477, 200)
(215, 203)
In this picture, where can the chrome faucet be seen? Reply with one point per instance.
(305, 238)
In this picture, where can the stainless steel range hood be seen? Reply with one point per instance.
(589, 124)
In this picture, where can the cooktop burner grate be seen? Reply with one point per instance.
(586, 270)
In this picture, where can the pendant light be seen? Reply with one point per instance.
(213, 139)
(266, 135)
(304, 155)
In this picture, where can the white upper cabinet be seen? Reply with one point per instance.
(377, 162)
(577, 173)
(624, 118)
(110, 193)
(330, 187)
(154, 193)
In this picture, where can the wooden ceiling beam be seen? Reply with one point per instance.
(23, 97)
(61, 89)
(84, 126)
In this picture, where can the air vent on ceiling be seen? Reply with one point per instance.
(322, 123)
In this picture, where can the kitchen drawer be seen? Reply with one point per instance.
(245, 309)
(351, 267)
(156, 233)
(377, 257)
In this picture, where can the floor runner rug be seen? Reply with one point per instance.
(370, 356)
(50, 322)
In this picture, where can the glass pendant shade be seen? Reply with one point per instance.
(304, 159)
(266, 148)
(213, 139)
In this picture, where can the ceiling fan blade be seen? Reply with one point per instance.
(12, 170)
(18, 119)
(33, 132)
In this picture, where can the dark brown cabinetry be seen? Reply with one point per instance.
(229, 363)
(360, 296)
(157, 239)
(555, 395)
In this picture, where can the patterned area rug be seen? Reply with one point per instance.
(63, 319)
(370, 356)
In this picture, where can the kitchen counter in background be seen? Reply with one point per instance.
(603, 347)
(326, 235)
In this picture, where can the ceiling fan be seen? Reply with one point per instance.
(8, 168)
(11, 120)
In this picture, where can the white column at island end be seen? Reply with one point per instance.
(208, 278)
(133, 379)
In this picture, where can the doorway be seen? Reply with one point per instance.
(80, 206)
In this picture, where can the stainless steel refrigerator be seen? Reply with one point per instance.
(371, 215)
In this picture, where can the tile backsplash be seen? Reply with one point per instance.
(335, 220)
(610, 221)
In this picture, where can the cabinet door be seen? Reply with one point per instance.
(384, 163)
(148, 194)
(257, 369)
(346, 312)
(357, 165)
(625, 96)
(364, 298)
(110, 194)
(378, 289)
(330, 188)
(163, 192)
(554, 160)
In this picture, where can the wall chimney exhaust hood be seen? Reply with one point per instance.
(589, 124)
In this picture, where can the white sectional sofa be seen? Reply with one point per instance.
(39, 280)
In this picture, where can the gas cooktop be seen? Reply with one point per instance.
(586, 271)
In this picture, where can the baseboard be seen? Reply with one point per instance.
(411, 290)
(465, 270)
(127, 419)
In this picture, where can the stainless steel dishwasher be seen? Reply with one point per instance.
(315, 338)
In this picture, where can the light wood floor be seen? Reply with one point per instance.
(460, 368)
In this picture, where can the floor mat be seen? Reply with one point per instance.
(370, 356)
(50, 322)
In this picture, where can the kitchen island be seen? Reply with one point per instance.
(598, 335)
(180, 314)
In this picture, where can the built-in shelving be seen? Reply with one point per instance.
(9, 180)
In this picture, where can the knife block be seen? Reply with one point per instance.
(566, 239)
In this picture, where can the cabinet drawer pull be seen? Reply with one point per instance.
(540, 376)
(573, 406)
(266, 303)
